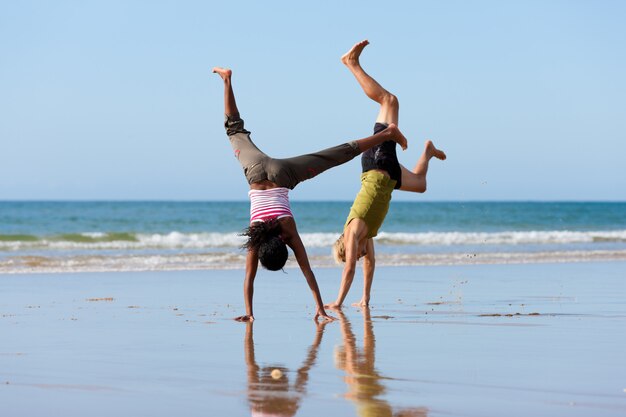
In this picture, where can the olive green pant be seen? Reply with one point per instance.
(287, 172)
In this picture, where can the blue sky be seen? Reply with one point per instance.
(115, 99)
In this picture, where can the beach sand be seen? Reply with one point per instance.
(482, 340)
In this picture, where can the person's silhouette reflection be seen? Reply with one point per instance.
(365, 384)
(274, 395)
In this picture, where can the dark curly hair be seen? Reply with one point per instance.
(264, 238)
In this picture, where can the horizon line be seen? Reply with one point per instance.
(296, 201)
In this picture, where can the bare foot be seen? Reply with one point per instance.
(431, 151)
(333, 306)
(397, 136)
(351, 57)
(225, 73)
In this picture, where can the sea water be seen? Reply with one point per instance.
(102, 236)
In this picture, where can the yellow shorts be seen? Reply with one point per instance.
(372, 201)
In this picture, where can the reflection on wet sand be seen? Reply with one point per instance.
(365, 384)
(270, 393)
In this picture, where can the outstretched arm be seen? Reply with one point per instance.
(369, 264)
(346, 277)
(303, 261)
(351, 240)
(296, 245)
(252, 263)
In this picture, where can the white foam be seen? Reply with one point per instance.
(501, 238)
(230, 260)
(173, 240)
(94, 235)
(178, 240)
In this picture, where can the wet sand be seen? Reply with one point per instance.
(482, 340)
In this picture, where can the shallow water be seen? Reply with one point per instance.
(541, 340)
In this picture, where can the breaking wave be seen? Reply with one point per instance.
(178, 240)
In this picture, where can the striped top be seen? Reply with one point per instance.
(269, 204)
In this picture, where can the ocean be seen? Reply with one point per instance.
(136, 236)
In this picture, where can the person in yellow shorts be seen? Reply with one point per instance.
(382, 173)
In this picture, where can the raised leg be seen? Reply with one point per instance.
(391, 133)
(415, 181)
(389, 106)
(304, 167)
(230, 106)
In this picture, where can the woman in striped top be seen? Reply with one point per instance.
(272, 226)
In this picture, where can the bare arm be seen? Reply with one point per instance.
(351, 235)
(296, 245)
(369, 264)
(252, 263)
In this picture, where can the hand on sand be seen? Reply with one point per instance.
(245, 318)
(361, 304)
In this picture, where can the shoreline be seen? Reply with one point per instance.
(233, 261)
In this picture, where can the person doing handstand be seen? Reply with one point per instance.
(382, 173)
(272, 226)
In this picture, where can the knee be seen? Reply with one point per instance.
(390, 101)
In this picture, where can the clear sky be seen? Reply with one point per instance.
(115, 99)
